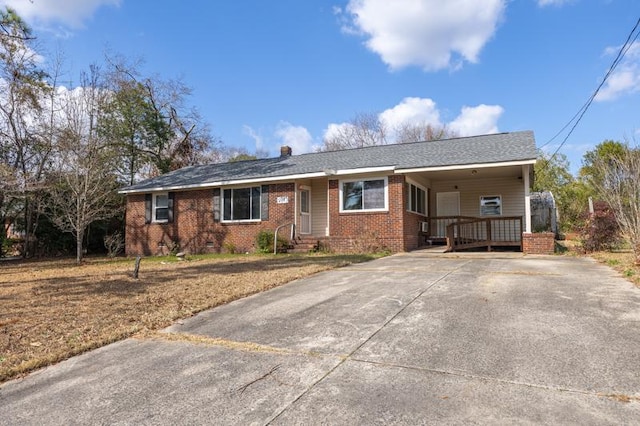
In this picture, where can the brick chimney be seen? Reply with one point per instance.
(285, 151)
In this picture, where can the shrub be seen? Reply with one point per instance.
(600, 230)
(114, 243)
(264, 241)
(229, 247)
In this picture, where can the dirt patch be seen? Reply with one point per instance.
(51, 310)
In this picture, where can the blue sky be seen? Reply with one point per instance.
(267, 73)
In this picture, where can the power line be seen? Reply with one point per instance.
(633, 36)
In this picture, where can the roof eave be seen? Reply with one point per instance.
(205, 185)
(465, 166)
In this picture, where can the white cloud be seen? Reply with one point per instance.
(257, 138)
(479, 120)
(411, 111)
(626, 78)
(297, 137)
(72, 13)
(432, 34)
(336, 129)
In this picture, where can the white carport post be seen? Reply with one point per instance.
(527, 198)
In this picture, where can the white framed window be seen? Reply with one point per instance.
(241, 204)
(160, 209)
(491, 205)
(364, 195)
(416, 199)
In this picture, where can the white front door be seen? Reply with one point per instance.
(305, 211)
(448, 204)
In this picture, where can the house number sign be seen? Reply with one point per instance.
(282, 200)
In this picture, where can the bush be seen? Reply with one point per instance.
(600, 230)
(264, 241)
(114, 243)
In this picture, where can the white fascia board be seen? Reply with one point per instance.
(365, 170)
(224, 183)
(466, 166)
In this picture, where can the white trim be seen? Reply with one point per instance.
(225, 183)
(527, 199)
(465, 166)
(223, 220)
(309, 213)
(386, 194)
(426, 197)
(154, 207)
(325, 173)
(365, 170)
(221, 183)
(327, 230)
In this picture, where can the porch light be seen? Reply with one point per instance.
(474, 171)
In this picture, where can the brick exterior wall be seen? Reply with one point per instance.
(193, 227)
(538, 243)
(367, 231)
(412, 238)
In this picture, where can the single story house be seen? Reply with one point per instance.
(469, 192)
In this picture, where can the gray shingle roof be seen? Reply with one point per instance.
(486, 149)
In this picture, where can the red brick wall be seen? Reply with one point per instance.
(193, 227)
(412, 238)
(364, 231)
(538, 243)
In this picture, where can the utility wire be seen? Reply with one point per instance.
(633, 36)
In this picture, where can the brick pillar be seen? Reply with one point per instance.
(538, 243)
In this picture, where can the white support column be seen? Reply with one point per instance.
(527, 198)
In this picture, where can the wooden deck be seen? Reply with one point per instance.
(466, 232)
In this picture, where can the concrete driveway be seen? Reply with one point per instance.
(414, 338)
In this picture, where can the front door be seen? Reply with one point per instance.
(447, 205)
(305, 211)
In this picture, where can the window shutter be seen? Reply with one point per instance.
(264, 203)
(170, 207)
(147, 208)
(216, 204)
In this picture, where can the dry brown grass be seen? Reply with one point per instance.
(621, 260)
(51, 310)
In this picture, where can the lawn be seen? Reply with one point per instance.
(51, 310)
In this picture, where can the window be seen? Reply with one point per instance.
(161, 207)
(416, 199)
(491, 205)
(363, 195)
(241, 204)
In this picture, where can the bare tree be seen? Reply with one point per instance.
(368, 129)
(421, 132)
(23, 152)
(148, 120)
(84, 184)
(620, 187)
(365, 129)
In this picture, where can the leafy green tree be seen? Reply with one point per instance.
(571, 195)
(150, 125)
(242, 157)
(593, 167)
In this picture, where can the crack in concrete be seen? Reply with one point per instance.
(331, 370)
(618, 397)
